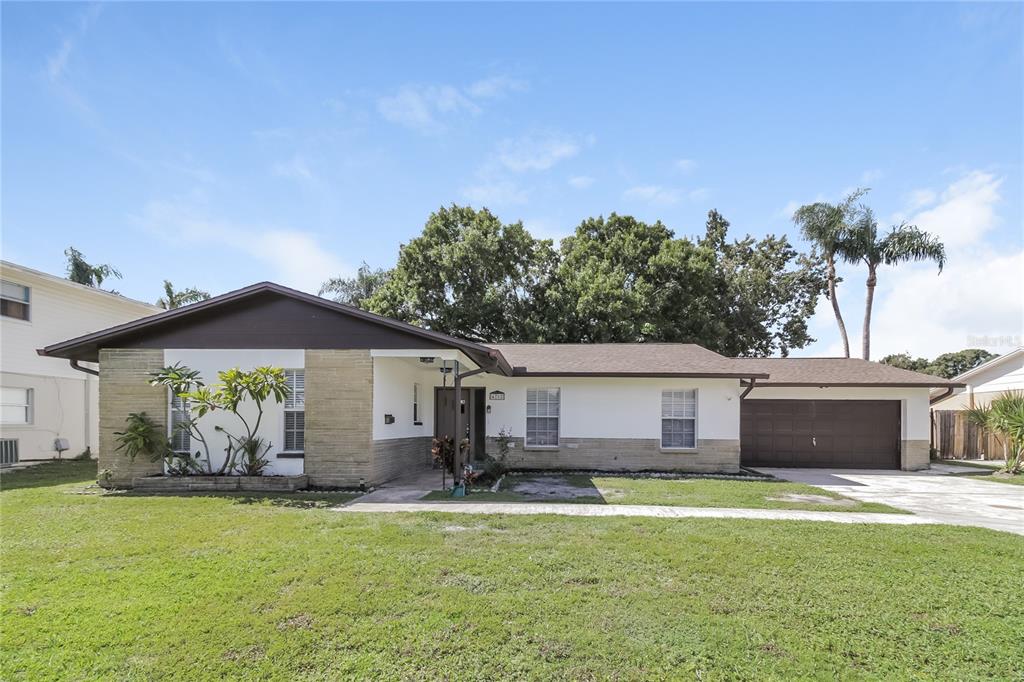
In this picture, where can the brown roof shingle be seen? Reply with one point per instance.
(620, 359)
(836, 372)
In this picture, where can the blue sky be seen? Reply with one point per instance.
(218, 145)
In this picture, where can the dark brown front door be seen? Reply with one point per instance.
(473, 423)
(843, 434)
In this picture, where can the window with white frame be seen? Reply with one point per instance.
(16, 405)
(181, 438)
(542, 414)
(679, 419)
(415, 403)
(295, 411)
(14, 300)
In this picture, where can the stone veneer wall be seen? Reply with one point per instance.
(625, 454)
(397, 456)
(915, 454)
(124, 388)
(339, 417)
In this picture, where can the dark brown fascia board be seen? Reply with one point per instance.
(474, 350)
(645, 375)
(877, 384)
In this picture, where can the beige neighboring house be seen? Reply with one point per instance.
(43, 400)
(984, 382)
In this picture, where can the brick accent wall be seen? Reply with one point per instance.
(339, 417)
(397, 456)
(915, 455)
(124, 388)
(625, 454)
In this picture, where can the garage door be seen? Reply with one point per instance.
(862, 434)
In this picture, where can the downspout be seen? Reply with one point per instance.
(75, 365)
(749, 388)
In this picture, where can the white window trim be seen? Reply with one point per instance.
(526, 419)
(27, 302)
(286, 410)
(417, 417)
(170, 422)
(696, 420)
(29, 406)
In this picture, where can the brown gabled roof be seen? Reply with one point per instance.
(838, 372)
(622, 359)
(85, 348)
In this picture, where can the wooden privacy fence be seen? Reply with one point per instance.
(954, 437)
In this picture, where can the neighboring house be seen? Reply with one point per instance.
(983, 383)
(44, 400)
(371, 392)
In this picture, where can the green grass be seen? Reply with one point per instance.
(1017, 479)
(215, 587)
(974, 464)
(683, 492)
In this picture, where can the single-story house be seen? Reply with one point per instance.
(370, 393)
(983, 383)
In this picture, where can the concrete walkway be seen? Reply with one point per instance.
(654, 511)
(408, 487)
(931, 494)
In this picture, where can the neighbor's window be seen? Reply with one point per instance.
(679, 419)
(181, 439)
(16, 405)
(14, 300)
(295, 411)
(542, 410)
(415, 403)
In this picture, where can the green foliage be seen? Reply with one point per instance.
(615, 279)
(142, 437)
(245, 450)
(947, 365)
(82, 272)
(1004, 418)
(355, 290)
(175, 299)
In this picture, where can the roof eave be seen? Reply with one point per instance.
(857, 384)
(643, 375)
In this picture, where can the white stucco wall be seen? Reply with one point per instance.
(590, 407)
(208, 363)
(987, 384)
(915, 418)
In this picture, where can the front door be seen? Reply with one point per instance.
(472, 407)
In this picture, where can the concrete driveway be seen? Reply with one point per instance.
(933, 494)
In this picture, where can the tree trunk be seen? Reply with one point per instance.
(869, 300)
(835, 306)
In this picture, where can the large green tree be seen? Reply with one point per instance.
(355, 290)
(82, 272)
(947, 365)
(468, 274)
(825, 225)
(175, 299)
(861, 243)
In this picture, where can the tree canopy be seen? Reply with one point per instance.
(947, 365)
(175, 299)
(615, 279)
(82, 272)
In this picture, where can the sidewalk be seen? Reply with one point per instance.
(663, 512)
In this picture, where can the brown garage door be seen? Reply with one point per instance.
(862, 434)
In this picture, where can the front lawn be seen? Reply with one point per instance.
(681, 492)
(222, 587)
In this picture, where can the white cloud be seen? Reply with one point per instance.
(966, 210)
(544, 228)
(920, 198)
(870, 176)
(655, 194)
(422, 107)
(536, 152)
(581, 181)
(686, 165)
(57, 63)
(293, 257)
(496, 87)
(295, 168)
(495, 193)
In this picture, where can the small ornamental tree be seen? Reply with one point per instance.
(246, 451)
(1004, 418)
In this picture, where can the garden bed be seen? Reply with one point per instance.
(220, 483)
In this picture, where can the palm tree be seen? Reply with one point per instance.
(824, 225)
(1004, 418)
(175, 299)
(904, 243)
(83, 273)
